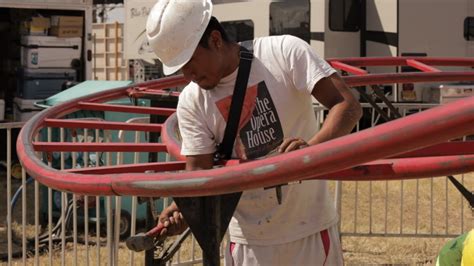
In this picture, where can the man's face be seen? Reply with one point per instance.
(206, 66)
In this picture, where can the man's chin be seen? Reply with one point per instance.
(206, 86)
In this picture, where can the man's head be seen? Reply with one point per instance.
(204, 55)
(174, 28)
(211, 60)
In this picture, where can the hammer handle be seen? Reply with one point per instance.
(155, 231)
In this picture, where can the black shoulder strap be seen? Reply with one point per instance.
(220, 206)
(224, 150)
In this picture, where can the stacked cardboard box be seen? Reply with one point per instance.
(48, 63)
(35, 26)
(66, 26)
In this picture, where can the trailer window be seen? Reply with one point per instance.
(344, 15)
(469, 28)
(290, 17)
(239, 30)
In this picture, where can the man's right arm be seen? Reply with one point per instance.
(171, 217)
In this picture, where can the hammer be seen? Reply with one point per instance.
(144, 241)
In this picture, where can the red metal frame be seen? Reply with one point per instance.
(416, 145)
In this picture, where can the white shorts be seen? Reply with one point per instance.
(323, 248)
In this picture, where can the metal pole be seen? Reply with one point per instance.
(9, 187)
(152, 157)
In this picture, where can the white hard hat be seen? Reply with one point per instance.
(174, 28)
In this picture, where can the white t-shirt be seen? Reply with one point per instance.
(277, 105)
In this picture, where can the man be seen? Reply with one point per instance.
(277, 117)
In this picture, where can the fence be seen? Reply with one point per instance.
(414, 208)
(406, 208)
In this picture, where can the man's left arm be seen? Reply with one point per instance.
(344, 113)
(344, 109)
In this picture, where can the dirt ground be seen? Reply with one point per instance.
(357, 250)
(16, 215)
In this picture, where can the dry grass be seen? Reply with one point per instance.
(370, 217)
(380, 250)
(396, 202)
(404, 215)
(124, 257)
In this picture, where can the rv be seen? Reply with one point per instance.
(341, 28)
(46, 47)
(338, 28)
(18, 20)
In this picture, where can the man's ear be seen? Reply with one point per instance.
(215, 39)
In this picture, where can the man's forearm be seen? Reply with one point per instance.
(339, 122)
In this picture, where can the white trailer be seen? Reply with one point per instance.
(341, 28)
(338, 28)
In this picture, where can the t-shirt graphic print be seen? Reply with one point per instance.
(260, 131)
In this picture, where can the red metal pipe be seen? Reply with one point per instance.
(401, 61)
(443, 149)
(170, 136)
(448, 160)
(98, 147)
(72, 106)
(420, 66)
(386, 169)
(393, 169)
(147, 93)
(130, 168)
(348, 68)
(77, 123)
(161, 84)
(126, 109)
(386, 140)
(410, 77)
(419, 130)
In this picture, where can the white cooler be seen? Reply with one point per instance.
(49, 51)
(24, 109)
(2, 109)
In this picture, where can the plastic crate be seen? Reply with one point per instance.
(49, 51)
(42, 83)
(24, 109)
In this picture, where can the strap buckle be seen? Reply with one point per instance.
(246, 55)
(218, 156)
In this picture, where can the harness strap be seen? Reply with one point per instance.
(224, 150)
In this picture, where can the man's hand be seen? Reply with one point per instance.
(172, 220)
(291, 144)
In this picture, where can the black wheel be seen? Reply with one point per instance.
(125, 225)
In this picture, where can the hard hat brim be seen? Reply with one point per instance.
(173, 68)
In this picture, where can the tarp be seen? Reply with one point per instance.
(82, 89)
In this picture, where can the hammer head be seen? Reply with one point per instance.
(140, 242)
